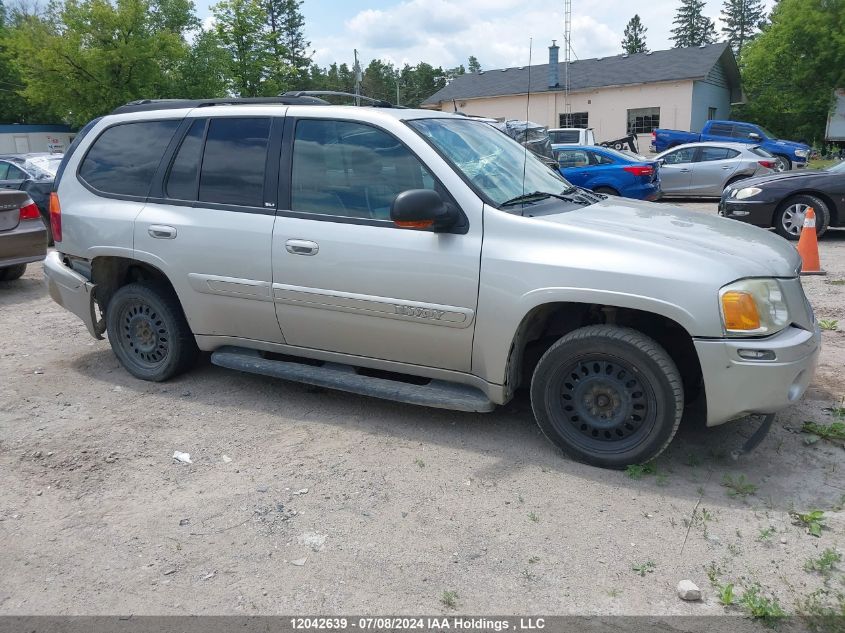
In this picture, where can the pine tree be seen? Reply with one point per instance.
(473, 64)
(634, 37)
(294, 40)
(742, 18)
(693, 28)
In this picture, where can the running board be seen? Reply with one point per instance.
(439, 394)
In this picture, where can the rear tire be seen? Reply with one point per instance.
(608, 191)
(10, 273)
(148, 332)
(789, 217)
(608, 396)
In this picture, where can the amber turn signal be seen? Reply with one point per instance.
(740, 311)
(414, 224)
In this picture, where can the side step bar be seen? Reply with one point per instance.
(437, 393)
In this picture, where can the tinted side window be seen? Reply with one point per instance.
(234, 161)
(124, 158)
(721, 129)
(182, 180)
(352, 170)
(4, 171)
(679, 156)
(16, 173)
(565, 136)
(742, 131)
(601, 159)
(715, 153)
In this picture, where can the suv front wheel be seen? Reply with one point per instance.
(148, 331)
(608, 396)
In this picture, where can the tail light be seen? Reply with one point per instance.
(640, 170)
(55, 217)
(29, 211)
(767, 164)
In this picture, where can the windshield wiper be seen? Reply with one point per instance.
(540, 195)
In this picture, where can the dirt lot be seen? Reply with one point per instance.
(300, 500)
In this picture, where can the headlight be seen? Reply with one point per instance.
(753, 306)
(802, 153)
(748, 192)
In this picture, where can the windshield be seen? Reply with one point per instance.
(493, 162)
(838, 168)
(43, 167)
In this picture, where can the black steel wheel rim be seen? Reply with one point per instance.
(601, 403)
(143, 334)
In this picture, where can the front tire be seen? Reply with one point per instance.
(10, 273)
(789, 218)
(782, 163)
(148, 332)
(608, 396)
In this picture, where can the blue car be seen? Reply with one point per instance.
(605, 170)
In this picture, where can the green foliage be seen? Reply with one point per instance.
(473, 65)
(726, 594)
(829, 324)
(823, 611)
(642, 569)
(633, 39)
(765, 534)
(449, 599)
(742, 20)
(692, 27)
(825, 563)
(760, 606)
(638, 471)
(833, 432)
(739, 487)
(814, 521)
(790, 70)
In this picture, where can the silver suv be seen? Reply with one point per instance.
(421, 257)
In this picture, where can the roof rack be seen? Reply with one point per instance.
(375, 103)
(145, 105)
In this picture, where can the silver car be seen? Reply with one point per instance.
(705, 169)
(425, 258)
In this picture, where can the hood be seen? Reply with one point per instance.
(692, 239)
(778, 177)
(792, 144)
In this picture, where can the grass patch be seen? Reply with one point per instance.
(765, 534)
(419, 462)
(761, 607)
(833, 432)
(823, 611)
(449, 599)
(642, 569)
(829, 324)
(638, 471)
(739, 487)
(814, 521)
(825, 563)
(534, 517)
(725, 593)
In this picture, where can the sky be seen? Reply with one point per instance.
(446, 32)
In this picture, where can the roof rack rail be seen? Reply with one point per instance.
(375, 103)
(145, 105)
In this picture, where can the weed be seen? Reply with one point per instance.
(614, 593)
(829, 324)
(833, 432)
(761, 607)
(419, 462)
(693, 460)
(734, 550)
(739, 487)
(824, 564)
(449, 599)
(533, 560)
(765, 535)
(726, 594)
(836, 282)
(814, 521)
(638, 471)
(713, 573)
(823, 610)
(534, 517)
(520, 499)
(642, 569)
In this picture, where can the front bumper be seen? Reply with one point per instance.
(736, 387)
(71, 290)
(756, 212)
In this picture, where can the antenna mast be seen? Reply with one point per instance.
(567, 57)
(356, 68)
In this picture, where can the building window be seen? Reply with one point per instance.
(575, 119)
(643, 120)
(711, 114)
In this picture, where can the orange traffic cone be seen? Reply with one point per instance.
(808, 246)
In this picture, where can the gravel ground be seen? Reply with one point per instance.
(307, 501)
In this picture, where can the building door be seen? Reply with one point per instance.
(21, 144)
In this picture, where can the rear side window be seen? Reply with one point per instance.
(720, 129)
(124, 158)
(565, 136)
(601, 159)
(234, 161)
(717, 153)
(182, 180)
(761, 152)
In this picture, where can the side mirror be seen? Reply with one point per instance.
(422, 209)
(754, 136)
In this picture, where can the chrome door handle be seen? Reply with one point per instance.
(727, 166)
(684, 171)
(302, 247)
(161, 232)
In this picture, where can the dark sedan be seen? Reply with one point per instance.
(33, 173)
(23, 236)
(781, 200)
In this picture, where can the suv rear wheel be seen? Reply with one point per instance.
(608, 396)
(148, 331)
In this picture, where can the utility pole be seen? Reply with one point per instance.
(356, 68)
(567, 58)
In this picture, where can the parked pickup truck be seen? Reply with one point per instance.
(789, 154)
(572, 136)
(342, 247)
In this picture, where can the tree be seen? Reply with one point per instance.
(473, 66)
(239, 26)
(693, 28)
(742, 18)
(633, 40)
(293, 39)
(87, 56)
(205, 71)
(792, 92)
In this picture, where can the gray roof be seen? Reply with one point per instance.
(671, 65)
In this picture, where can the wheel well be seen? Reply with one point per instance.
(112, 273)
(828, 201)
(606, 188)
(736, 179)
(545, 324)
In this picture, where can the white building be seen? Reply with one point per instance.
(18, 138)
(679, 88)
